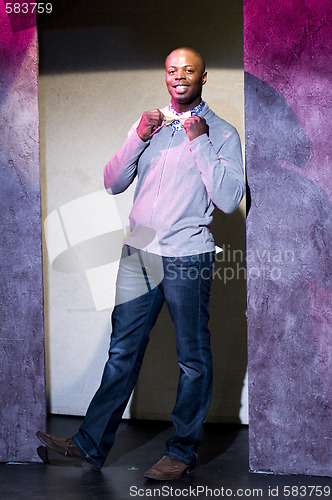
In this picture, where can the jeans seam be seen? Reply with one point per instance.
(85, 454)
(156, 290)
(138, 350)
(144, 272)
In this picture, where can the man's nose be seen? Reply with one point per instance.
(180, 74)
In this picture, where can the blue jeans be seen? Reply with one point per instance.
(144, 282)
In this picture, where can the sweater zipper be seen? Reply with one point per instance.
(160, 177)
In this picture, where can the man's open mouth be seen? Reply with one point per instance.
(180, 88)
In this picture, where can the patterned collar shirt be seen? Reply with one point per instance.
(177, 125)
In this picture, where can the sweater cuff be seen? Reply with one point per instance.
(197, 143)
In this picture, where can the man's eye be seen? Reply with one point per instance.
(190, 70)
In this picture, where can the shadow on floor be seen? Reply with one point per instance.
(222, 471)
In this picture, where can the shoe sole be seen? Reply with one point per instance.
(83, 462)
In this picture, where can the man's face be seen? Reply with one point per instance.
(185, 77)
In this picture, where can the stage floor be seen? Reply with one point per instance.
(222, 471)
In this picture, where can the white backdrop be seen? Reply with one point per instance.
(84, 119)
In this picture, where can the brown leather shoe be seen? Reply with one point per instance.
(65, 447)
(168, 468)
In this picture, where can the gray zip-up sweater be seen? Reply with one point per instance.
(178, 184)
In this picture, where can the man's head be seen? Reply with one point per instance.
(185, 76)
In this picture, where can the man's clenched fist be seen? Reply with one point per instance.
(149, 122)
(195, 126)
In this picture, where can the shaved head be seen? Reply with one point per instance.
(182, 50)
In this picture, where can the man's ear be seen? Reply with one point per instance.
(204, 77)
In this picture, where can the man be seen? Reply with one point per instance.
(186, 160)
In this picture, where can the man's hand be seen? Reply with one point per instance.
(149, 122)
(195, 126)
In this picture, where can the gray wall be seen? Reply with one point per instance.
(289, 228)
(22, 394)
(100, 68)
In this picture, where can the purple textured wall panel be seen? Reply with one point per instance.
(289, 234)
(22, 396)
